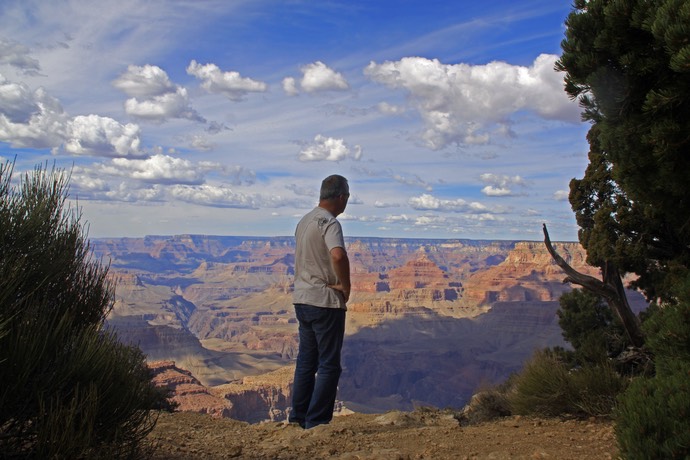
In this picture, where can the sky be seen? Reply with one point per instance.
(222, 117)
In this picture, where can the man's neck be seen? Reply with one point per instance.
(329, 206)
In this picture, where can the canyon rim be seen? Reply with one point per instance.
(429, 322)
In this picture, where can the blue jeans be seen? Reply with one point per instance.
(318, 370)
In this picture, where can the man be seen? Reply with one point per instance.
(322, 289)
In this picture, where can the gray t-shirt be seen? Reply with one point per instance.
(317, 233)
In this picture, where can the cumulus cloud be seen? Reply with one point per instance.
(329, 149)
(225, 197)
(230, 84)
(154, 96)
(316, 77)
(144, 81)
(17, 55)
(102, 136)
(158, 169)
(426, 202)
(290, 86)
(208, 195)
(500, 185)
(165, 169)
(383, 204)
(467, 104)
(32, 119)
(125, 192)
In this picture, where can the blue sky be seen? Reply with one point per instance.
(223, 116)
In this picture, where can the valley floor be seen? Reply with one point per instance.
(423, 434)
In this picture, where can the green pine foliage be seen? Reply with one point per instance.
(68, 388)
(590, 327)
(628, 63)
(653, 417)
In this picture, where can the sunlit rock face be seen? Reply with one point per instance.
(428, 320)
(187, 392)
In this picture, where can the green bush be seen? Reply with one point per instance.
(547, 386)
(653, 415)
(489, 402)
(68, 388)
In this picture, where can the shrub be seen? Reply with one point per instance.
(68, 388)
(541, 387)
(653, 416)
(546, 386)
(488, 403)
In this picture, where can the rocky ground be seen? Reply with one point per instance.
(423, 434)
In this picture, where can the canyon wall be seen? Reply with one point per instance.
(429, 320)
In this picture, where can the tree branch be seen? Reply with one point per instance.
(611, 288)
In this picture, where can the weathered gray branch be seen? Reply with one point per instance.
(610, 288)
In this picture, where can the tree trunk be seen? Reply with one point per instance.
(610, 288)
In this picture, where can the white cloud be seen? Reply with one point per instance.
(208, 195)
(163, 107)
(431, 221)
(225, 197)
(125, 192)
(159, 169)
(201, 143)
(28, 118)
(561, 195)
(426, 202)
(102, 136)
(467, 104)
(383, 204)
(154, 96)
(144, 81)
(389, 109)
(500, 185)
(329, 149)
(316, 77)
(88, 183)
(290, 86)
(35, 119)
(490, 190)
(165, 169)
(17, 55)
(230, 84)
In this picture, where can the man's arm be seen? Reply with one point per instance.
(341, 265)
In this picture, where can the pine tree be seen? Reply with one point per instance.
(628, 62)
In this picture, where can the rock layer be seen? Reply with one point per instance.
(428, 320)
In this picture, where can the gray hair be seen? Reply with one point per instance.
(334, 186)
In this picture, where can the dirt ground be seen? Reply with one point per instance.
(424, 434)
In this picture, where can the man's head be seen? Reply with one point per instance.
(335, 192)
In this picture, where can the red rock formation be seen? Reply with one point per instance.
(528, 274)
(187, 391)
(259, 398)
(415, 287)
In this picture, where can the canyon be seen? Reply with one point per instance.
(429, 321)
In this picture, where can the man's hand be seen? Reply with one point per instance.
(342, 289)
(341, 266)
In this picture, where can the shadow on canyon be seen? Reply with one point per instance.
(440, 361)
